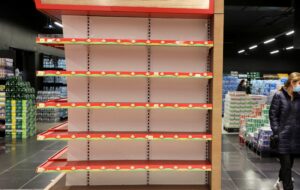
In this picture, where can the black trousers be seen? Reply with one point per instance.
(285, 173)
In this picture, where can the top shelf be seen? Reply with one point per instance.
(130, 8)
(60, 42)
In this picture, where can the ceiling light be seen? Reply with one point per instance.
(241, 51)
(274, 52)
(58, 24)
(290, 33)
(269, 41)
(288, 48)
(253, 47)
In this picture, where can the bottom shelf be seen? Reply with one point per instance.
(60, 185)
(59, 163)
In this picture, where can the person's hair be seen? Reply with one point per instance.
(242, 81)
(293, 78)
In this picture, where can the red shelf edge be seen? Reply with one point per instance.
(124, 105)
(61, 133)
(58, 164)
(56, 10)
(60, 42)
(124, 74)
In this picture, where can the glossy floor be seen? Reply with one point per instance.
(241, 168)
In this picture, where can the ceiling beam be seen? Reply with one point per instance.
(265, 3)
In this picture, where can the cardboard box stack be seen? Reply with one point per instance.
(20, 109)
(230, 84)
(238, 104)
(265, 87)
(255, 128)
(2, 110)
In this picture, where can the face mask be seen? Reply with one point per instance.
(297, 88)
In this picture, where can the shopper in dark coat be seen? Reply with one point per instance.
(242, 86)
(285, 124)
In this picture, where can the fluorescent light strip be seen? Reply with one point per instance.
(253, 47)
(269, 41)
(274, 52)
(58, 24)
(241, 51)
(288, 48)
(290, 33)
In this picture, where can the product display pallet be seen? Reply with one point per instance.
(20, 109)
(143, 110)
(260, 152)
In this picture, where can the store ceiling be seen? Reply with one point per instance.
(251, 21)
(26, 15)
(246, 21)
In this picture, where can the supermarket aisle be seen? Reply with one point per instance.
(244, 170)
(18, 161)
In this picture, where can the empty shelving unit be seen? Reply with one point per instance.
(144, 93)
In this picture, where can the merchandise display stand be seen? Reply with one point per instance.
(144, 94)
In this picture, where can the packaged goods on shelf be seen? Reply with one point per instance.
(57, 80)
(230, 83)
(55, 83)
(283, 75)
(43, 96)
(234, 73)
(50, 115)
(61, 89)
(20, 109)
(255, 128)
(2, 107)
(270, 76)
(265, 87)
(6, 68)
(264, 135)
(53, 62)
(237, 104)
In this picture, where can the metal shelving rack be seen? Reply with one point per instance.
(144, 110)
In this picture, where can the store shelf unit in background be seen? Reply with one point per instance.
(58, 83)
(53, 62)
(54, 87)
(2, 110)
(6, 71)
(50, 115)
(6, 68)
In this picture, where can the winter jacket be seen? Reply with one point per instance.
(285, 121)
(241, 88)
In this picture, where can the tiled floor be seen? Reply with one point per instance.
(19, 159)
(241, 168)
(244, 170)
